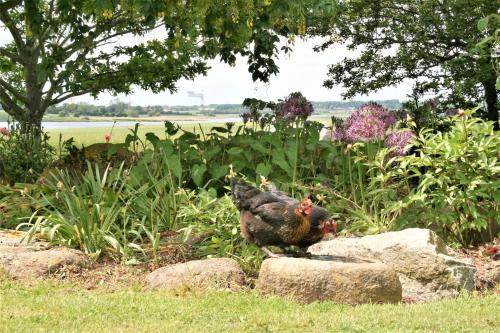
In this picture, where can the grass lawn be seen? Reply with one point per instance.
(88, 136)
(64, 307)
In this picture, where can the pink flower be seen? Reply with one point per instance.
(368, 123)
(461, 113)
(399, 142)
(4, 131)
(107, 137)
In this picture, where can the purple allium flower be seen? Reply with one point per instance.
(398, 140)
(365, 128)
(369, 122)
(295, 106)
(378, 111)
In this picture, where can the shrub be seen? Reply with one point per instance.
(459, 179)
(23, 156)
(430, 114)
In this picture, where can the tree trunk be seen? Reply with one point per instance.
(31, 124)
(491, 97)
(31, 127)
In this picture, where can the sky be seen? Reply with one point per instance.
(303, 70)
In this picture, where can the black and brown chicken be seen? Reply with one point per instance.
(273, 218)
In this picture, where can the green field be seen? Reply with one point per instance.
(88, 136)
(64, 307)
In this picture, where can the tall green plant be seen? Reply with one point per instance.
(83, 214)
(377, 197)
(459, 172)
(217, 221)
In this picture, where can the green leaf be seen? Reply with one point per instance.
(197, 173)
(219, 171)
(263, 169)
(259, 147)
(220, 129)
(210, 153)
(174, 164)
(167, 146)
(171, 128)
(151, 137)
(239, 165)
(235, 151)
(279, 160)
(482, 23)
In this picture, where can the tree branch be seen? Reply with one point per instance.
(13, 91)
(11, 55)
(62, 98)
(4, 6)
(5, 98)
(6, 19)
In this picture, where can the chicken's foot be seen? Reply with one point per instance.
(272, 254)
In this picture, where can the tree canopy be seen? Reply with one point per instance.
(435, 43)
(63, 48)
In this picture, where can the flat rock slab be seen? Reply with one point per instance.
(217, 272)
(309, 280)
(20, 260)
(15, 239)
(426, 266)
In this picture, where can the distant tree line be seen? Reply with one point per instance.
(122, 109)
(391, 104)
(118, 109)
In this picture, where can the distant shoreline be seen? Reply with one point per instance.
(58, 119)
(163, 118)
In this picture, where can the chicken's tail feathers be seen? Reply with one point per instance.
(242, 191)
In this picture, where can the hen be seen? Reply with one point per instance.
(274, 219)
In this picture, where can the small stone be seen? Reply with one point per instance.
(217, 272)
(309, 280)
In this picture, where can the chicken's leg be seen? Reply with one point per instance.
(271, 254)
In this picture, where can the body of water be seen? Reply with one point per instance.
(108, 124)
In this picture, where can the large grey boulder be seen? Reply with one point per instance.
(426, 266)
(339, 281)
(217, 272)
(20, 260)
